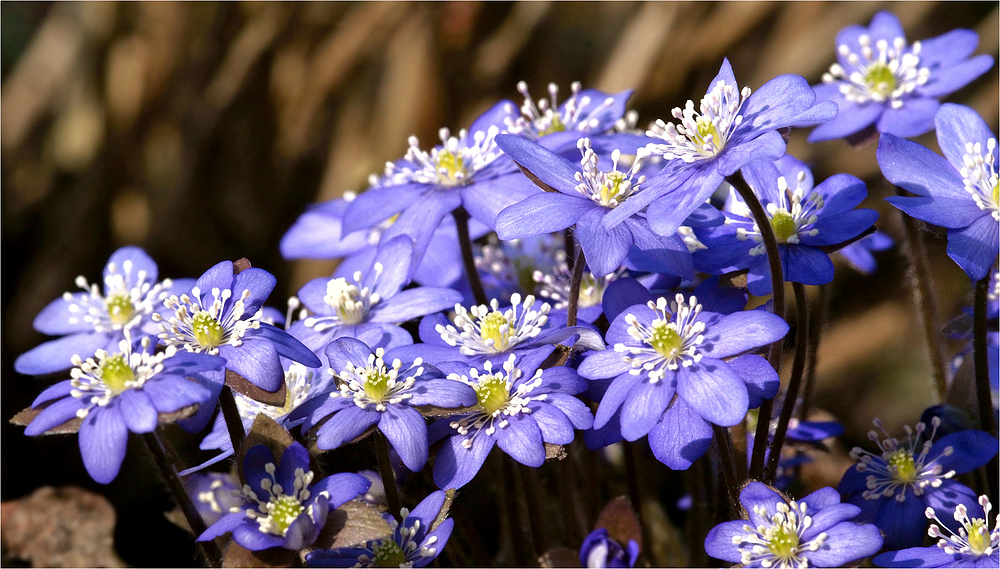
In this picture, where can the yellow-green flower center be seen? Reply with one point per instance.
(665, 339)
(902, 462)
(116, 373)
(881, 79)
(783, 543)
(996, 194)
(490, 329)
(286, 509)
(979, 536)
(492, 393)
(120, 308)
(376, 384)
(706, 129)
(784, 225)
(612, 186)
(388, 554)
(556, 125)
(207, 330)
(450, 167)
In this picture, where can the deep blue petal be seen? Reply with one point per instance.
(681, 437)
(103, 441)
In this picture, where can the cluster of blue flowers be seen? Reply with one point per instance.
(598, 306)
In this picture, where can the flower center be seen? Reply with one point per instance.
(206, 329)
(979, 175)
(665, 339)
(792, 217)
(881, 72)
(452, 164)
(343, 298)
(376, 383)
(388, 553)
(700, 135)
(979, 536)
(784, 543)
(880, 79)
(784, 225)
(488, 330)
(120, 308)
(450, 167)
(555, 124)
(495, 328)
(285, 510)
(706, 131)
(904, 466)
(607, 188)
(492, 393)
(670, 342)
(117, 373)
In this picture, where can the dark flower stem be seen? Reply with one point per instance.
(778, 296)
(816, 321)
(574, 289)
(533, 500)
(923, 298)
(164, 462)
(981, 361)
(234, 422)
(794, 383)
(728, 468)
(388, 478)
(468, 259)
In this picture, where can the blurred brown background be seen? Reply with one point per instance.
(201, 130)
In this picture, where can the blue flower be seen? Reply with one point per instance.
(114, 393)
(387, 396)
(301, 385)
(415, 542)
(213, 494)
(318, 234)
(805, 219)
(221, 315)
(958, 192)
(488, 333)
(520, 407)
(894, 487)
(585, 195)
(96, 319)
(467, 170)
(732, 129)
(282, 507)
(599, 550)
(370, 301)
(880, 80)
(587, 112)
(815, 531)
(973, 545)
(659, 353)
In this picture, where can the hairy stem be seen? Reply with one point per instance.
(778, 296)
(923, 299)
(533, 498)
(164, 462)
(728, 468)
(468, 259)
(815, 330)
(231, 413)
(574, 289)
(388, 477)
(794, 383)
(981, 361)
